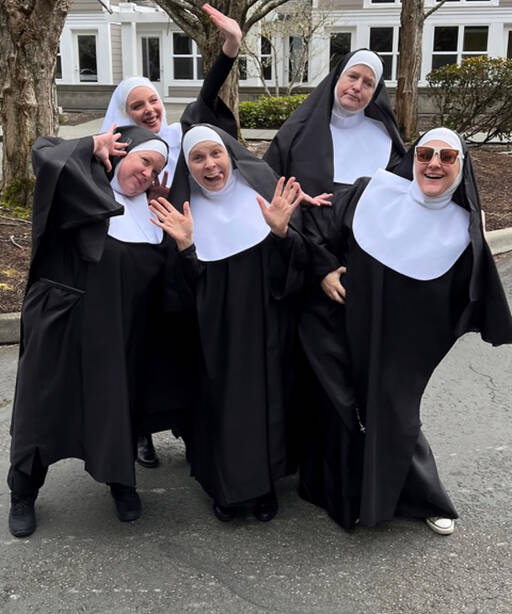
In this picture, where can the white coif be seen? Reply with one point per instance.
(418, 241)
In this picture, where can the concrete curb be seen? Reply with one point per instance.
(500, 241)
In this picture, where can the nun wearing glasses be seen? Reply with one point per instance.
(234, 249)
(419, 275)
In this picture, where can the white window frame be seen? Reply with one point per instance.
(76, 32)
(430, 3)
(151, 34)
(394, 48)
(460, 41)
(194, 55)
(270, 55)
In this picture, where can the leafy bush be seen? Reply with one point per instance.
(268, 111)
(475, 96)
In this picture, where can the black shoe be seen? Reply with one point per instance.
(146, 453)
(223, 512)
(128, 504)
(266, 507)
(22, 517)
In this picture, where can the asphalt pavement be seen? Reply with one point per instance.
(178, 558)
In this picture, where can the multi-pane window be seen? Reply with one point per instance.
(509, 46)
(340, 45)
(242, 67)
(87, 67)
(454, 43)
(384, 41)
(187, 61)
(266, 57)
(58, 66)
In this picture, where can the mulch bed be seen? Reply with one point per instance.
(493, 168)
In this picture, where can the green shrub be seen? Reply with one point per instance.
(268, 111)
(475, 96)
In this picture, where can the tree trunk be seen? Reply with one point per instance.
(411, 20)
(30, 32)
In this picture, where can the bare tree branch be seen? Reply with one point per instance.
(434, 9)
(261, 12)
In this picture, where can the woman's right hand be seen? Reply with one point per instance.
(106, 145)
(229, 29)
(331, 285)
(180, 226)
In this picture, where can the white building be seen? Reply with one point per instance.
(103, 42)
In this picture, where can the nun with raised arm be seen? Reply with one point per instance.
(90, 318)
(419, 274)
(240, 262)
(136, 101)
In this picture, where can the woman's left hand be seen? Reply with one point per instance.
(106, 145)
(285, 201)
(159, 188)
(229, 29)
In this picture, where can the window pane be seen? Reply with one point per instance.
(509, 48)
(442, 60)
(87, 57)
(151, 58)
(381, 39)
(199, 68)
(388, 66)
(183, 68)
(58, 68)
(297, 60)
(445, 39)
(383, 1)
(266, 47)
(182, 44)
(475, 38)
(242, 68)
(339, 47)
(267, 67)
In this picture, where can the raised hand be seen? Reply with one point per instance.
(108, 144)
(180, 226)
(317, 201)
(229, 29)
(284, 202)
(159, 188)
(331, 285)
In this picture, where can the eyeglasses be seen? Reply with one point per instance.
(446, 154)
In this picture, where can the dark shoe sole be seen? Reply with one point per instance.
(223, 516)
(148, 464)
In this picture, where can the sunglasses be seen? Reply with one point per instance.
(447, 155)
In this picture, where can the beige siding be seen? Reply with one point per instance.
(86, 6)
(115, 38)
(505, 2)
(337, 5)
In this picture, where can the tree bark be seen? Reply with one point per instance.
(411, 21)
(29, 39)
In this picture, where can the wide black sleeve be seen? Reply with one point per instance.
(288, 262)
(182, 271)
(209, 108)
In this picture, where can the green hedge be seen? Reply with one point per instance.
(268, 111)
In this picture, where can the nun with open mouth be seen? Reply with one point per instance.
(419, 274)
(240, 260)
(92, 318)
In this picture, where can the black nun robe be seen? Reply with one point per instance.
(303, 146)
(240, 442)
(375, 355)
(90, 325)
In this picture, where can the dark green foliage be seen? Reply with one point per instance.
(475, 97)
(268, 111)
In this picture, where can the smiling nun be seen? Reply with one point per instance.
(419, 275)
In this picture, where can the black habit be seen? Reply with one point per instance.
(241, 424)
(374, 356)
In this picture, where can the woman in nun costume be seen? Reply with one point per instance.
(345, 129)
(419, 275)
(136, 101)
(88, 326)
(234, 254)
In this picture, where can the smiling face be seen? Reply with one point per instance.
(210, 165)
(355, 87)
(433, 177)
(144, 107)
(138, 170)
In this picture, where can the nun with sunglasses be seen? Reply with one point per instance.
(229, 219)
(419, 275)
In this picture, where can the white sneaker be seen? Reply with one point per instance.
(443, 526)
